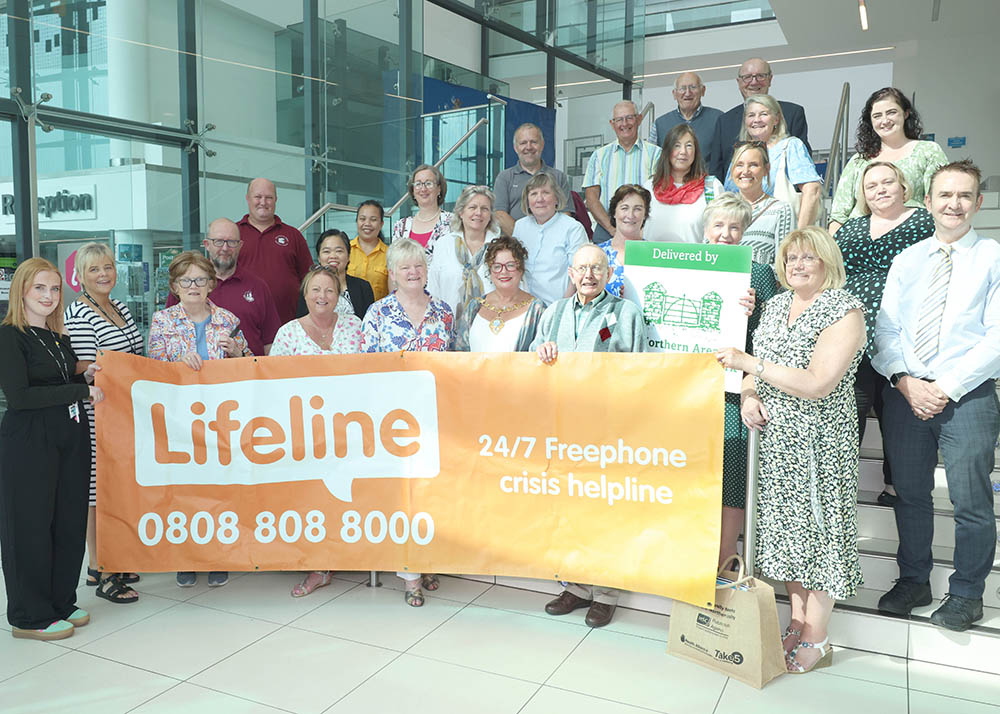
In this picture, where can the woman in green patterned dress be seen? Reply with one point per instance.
(725, 219)
(799, 390)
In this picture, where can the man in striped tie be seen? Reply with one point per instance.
(937, 339)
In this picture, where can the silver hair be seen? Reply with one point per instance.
(403, 248)
(729, 204)
(468, 193)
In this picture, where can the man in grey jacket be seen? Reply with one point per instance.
(592, 320)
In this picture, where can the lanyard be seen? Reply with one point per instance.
(128, 336)
(61, 363)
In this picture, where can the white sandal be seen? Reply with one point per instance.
(825, 660)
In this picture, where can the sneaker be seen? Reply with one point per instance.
(186, 579)
(78, 618)
(217, 578)
(904, 596)
(58, 630)
(958, 613)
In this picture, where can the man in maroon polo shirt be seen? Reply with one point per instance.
(272, 250)
(237, 289)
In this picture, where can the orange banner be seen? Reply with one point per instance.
(602, 468)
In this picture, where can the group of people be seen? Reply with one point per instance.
(896, 307)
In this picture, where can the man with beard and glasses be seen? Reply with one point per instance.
(238, 290)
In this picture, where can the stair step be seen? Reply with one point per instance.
(942, 503)
(876, 521)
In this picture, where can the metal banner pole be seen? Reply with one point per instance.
(750, 514)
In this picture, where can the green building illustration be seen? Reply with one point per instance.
(661, 308)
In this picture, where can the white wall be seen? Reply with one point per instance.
(451, 38)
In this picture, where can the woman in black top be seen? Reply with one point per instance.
(869, 242)
(44, 458)
(333, 249)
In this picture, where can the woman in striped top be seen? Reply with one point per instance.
(95, 321)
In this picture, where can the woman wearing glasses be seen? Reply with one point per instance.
(506, 319)
(889, 130)
(771, 219)
(799, 391)
(680, 189)
(427, 188)
(458, 273)
(792, 169)
(195, 330)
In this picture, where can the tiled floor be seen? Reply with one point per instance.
(474, 648)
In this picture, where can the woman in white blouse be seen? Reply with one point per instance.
(458, 274)
(680, 190)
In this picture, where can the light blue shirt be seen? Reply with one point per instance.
(799, 166)
(550, 247)
(969, 351)
(200, 338)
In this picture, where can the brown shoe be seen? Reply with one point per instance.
(600, 614)
(566, 603)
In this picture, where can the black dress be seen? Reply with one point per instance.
(359, 291)
(44, 476)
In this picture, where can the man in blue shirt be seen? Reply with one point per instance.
(688, 93)
(937, 339)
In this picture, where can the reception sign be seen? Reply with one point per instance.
(600, 468)
(690, 296)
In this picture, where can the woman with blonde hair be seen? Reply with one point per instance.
(799, 391)
(44, 449)
(96, 321)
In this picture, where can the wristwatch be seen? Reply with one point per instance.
(759, 369)
(894, 379)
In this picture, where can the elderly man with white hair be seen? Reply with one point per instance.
(627, 159)
(688, 92)
(592, 320)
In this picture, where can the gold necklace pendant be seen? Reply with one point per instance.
(496, 324)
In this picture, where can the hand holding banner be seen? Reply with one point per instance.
(600, 468)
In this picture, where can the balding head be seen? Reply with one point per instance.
(754, 77)
(261, 199)
(222, 244)
(589, 272)
(688, 91)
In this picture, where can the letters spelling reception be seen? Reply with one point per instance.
(421, 462)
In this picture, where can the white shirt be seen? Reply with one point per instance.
(550, 253)
(680, 223)
(444, 277)
(969, 352)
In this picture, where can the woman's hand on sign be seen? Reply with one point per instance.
(732, 358)
(88, 374)
(96, 395)
(748, 301)
(192, 360)
(753, 412)
(547, 352)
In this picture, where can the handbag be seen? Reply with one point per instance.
(784, 189)
(739, 637)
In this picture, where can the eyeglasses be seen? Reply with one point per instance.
(683, 89)
(500, 267)
(188, 282)
(596, 269)
(219, 242)
(758, 76)
(806, 260)
(627, 119)
(424, 184)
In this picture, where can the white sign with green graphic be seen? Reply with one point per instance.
(690, 295)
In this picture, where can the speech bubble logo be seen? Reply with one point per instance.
(335, 429)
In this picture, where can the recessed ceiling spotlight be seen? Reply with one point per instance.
(863, 12)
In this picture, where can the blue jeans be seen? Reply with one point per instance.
(965, 432)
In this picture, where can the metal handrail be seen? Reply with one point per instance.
(475, 127)
(838, 145)
(750, 511)
(321, 211)
(648, 110)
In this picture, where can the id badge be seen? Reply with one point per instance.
(74, 412)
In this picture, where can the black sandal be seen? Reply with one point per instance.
(96, 575)
(117, 592)
(128, 578)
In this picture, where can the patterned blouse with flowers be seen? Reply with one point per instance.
(172, 333)
(386, 327)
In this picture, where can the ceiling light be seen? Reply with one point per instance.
(863, 12)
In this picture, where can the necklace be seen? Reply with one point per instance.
(432, 218)
(497, 323)
(128, 335)
(323, 338)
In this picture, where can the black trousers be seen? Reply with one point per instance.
(868, 386)
(44, 487)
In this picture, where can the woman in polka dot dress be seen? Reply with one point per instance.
(869, 242)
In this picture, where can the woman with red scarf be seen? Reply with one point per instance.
(681, 190)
